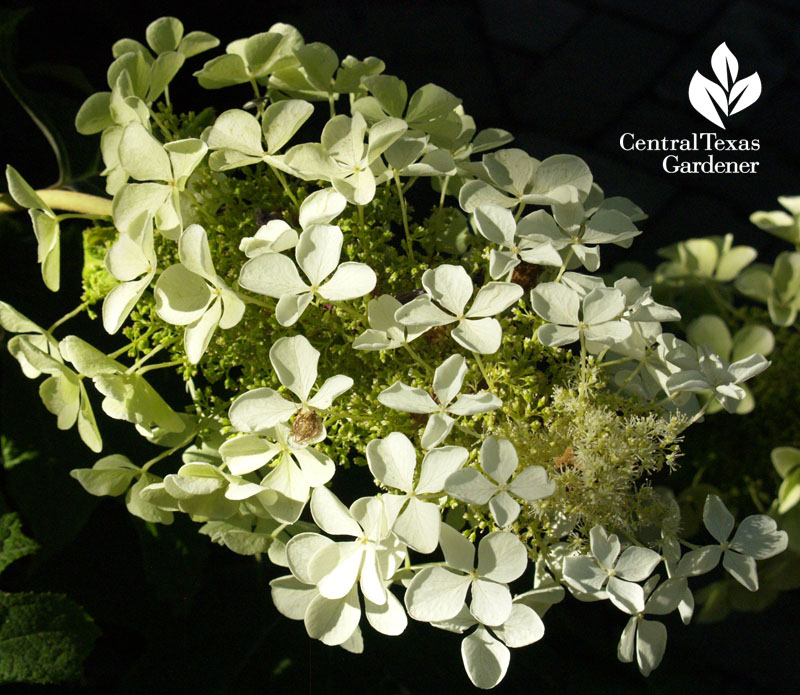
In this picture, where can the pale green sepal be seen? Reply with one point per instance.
(109, 476)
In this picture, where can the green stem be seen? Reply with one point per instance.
(279, 175)
(584, 385)
(277, 531)
(168, 452)
(564, 265)
(331, 105)
(621, 360)
(127, 347)
(164, 130)
(159, 365)
(158, 348)
(66, 317)
(252, 300)
(632, 375)
(485, 374)
(468, 430)
(444, 191)
(404, 213)
(65, 200)
(422, 363)
(519, 212)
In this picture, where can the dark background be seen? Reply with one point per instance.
(179, 615)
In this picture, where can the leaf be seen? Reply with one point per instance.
(724, 63)
(44, 638)
(703, 93)
(744, 93)
(13, 543)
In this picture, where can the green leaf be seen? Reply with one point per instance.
(44, 638)
(164, 34)
(13, 543)
(14, 322)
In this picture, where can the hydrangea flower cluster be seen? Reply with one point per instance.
(323, 331)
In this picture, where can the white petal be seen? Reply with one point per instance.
(142, 156)
(718, 520)
(408, 399)
(496, 224)
(555, 336)
(501, 557)
(450, 286)
(392, 460)
(604, 547)
(318, 251)
(502, 262)
(474, 403)
(331, 515)
(333, 621)
(627, 641)
(491, 602)
(532, 484)
(181, 296)
(448, 377)
(699, 561)
(318, 468)
(468, 485)
(271, 274)
(485, 659)
(499, 459)
(332, 388)
(291, 597)
(758, 537)
(602, 305)
(422, 313)
(321, 207)
(371, 515)
(300, 550)
(198, 335)
(119, 302)
(742, 568)
(556, 303)
(436, 593)
(436, 430)
(195, 253)
(636, 564)
(438, 465)
(126, 259)
(260, 409)
(626, 596)
(389, 618)
(481, 335)
(350, 280)
(582, 573)
(247, 454)
(494, 298)
(295, 361)
(290, 307)
(504, 509)
(370, 581)
(336, 568)
(522, 627)
(459, 552)
(418, 525)
(651, 641)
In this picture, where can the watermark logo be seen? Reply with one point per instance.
(727, 96)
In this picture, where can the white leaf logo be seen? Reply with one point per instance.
(726, 96)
